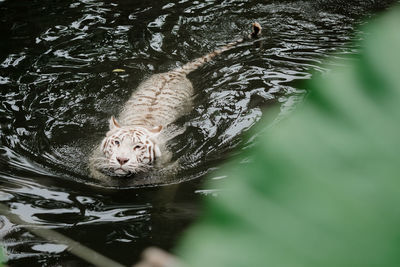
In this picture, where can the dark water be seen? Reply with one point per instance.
(58, 92)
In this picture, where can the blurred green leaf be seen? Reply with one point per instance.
(322, 188)
(2, 257)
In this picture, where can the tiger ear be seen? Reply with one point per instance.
(157, 151)
(114, 123)
(156, 130)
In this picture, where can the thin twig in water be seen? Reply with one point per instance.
(74, 247)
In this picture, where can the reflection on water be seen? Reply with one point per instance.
(58, 92)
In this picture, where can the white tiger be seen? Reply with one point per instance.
(134, 143)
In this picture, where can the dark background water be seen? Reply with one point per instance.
(58, 92)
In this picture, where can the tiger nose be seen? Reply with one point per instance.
(122, 161)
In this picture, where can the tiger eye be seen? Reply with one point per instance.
(116, 142)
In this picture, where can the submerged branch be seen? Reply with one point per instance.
(74, 247)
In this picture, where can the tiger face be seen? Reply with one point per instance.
(129, 150)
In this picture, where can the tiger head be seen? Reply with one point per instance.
(128, 150)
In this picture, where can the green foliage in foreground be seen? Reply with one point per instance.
(2, 257)
(323, 187)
